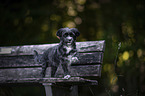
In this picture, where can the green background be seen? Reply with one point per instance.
(26, 22)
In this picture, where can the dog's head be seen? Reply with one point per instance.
(68, 35)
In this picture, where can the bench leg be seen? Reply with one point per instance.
(74, 90)
(64, 92)
(48, 89)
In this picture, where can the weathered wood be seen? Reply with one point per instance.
(60, 91)
(82, 71)
(74, 90)
(48, 89)
(20, 72)
(17, 61)
(89, 70)
(89, 58)
(89, 46)
(17, 64)
(28, 60)
(71, 81)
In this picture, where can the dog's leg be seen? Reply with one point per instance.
(53, 71)
(66, 71)
(38, 60)
(44, 66)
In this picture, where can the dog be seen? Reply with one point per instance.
(62, 54)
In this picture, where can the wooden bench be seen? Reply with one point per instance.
(17, 66)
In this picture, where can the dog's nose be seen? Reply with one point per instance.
(69, 39)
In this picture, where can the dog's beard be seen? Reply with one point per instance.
(68, 49)
(71, 43)
(68, 43)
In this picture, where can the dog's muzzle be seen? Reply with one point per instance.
(69, 39)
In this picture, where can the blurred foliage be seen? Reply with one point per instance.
(37, 21)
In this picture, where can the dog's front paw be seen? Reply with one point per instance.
(67, 77)
(74, 59)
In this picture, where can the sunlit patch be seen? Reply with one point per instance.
(120, 62)
(69, 24)
(113, 79)
(80, 8)
(107, 67)
(125, 55)
(139, 53)
(81, 2)
(61, 4)
(115, 88)
(130, 30)
(44, 27)
(127, 29)
(70, 4)
(71, 12)
(78, 20)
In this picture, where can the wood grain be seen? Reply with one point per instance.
(91, 70)
(28, 60)
(89, 46)
(17, 63)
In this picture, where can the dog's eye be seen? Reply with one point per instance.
(65, 35)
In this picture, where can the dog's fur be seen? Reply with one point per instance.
(62, 54)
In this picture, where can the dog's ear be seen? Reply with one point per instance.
(77, 33)
(59, 33)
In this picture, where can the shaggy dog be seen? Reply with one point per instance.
(62, 54)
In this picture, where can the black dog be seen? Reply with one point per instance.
(62, 54)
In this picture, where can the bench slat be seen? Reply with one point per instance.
(91, 70)
(28, 61)
(88, 46)
(83, 71)
(89, 58)
(73, 80)
(17, 62)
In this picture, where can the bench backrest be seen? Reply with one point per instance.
(17, 62)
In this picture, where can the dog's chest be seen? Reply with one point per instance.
(68, 49)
